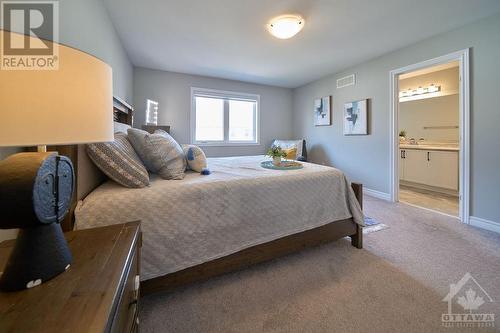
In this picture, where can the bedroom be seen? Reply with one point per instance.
(301, 89)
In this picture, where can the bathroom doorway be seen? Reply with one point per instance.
(430, 148)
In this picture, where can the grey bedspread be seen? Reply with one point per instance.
(201, 218)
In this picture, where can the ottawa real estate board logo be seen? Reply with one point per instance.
(468, 305)
(30, 35)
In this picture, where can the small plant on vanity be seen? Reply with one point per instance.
(402, 136)
(276, 153)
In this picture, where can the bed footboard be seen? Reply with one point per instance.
(260, 253)
(357, 238)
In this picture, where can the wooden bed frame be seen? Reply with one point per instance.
(88, 177)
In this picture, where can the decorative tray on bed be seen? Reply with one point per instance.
(285, 165)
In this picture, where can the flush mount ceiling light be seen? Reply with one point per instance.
(285, 26)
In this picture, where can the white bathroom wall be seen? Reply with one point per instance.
(437, 111)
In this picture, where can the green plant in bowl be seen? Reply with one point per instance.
(276, 153)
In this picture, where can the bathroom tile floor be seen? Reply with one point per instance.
(440, 202)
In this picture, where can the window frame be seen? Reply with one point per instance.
(226, 96)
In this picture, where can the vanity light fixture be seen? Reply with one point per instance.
(432, 88)
(420, 91)
(285, 26)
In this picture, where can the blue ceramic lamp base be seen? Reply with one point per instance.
(40, 253)
(35, 195)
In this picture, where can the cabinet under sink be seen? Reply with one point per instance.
(433, 168)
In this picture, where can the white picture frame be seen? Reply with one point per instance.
(356, 118)
(323, 111)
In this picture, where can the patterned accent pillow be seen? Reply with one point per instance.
(289, 144)
(291, 153)
(119, 162)
(160, 152)
(195, 157)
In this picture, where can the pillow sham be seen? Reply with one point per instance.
(160, 152)
(137, 138)
(120, 127)
(196, 159)
(289, 144)
(118, 160)
(291, 153)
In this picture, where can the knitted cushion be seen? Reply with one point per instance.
(195, 157)
(118, 160)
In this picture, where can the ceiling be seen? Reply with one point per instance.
(228, 38)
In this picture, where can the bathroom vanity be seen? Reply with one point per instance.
(430, 166)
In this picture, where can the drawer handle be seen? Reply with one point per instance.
(134, 302)
(137, 282)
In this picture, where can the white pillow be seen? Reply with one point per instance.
(195, 157)
(120, 127)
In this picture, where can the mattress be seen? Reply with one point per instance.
(239, 205)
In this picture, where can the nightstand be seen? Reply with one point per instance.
(98, 293)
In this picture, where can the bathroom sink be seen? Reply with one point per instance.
(429, 146)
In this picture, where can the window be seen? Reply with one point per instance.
(223, 117)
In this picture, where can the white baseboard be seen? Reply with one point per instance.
(377, 194)
(484, 224)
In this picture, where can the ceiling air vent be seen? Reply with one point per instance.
(346, 81)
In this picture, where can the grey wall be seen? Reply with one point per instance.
(85, 25)
(4, 152)
(173, 92)
(366, 158)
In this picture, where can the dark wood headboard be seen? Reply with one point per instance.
(122, 112)
(88, 176)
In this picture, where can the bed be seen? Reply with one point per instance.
(239, 215)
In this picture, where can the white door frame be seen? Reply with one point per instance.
(462, 57)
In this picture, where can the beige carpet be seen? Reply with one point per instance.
(395, 284)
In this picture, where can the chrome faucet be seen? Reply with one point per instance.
(413, 141)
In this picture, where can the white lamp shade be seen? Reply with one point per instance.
(69, 105)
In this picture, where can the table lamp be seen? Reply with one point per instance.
(68, 105)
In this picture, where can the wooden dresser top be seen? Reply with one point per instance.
(81, 299)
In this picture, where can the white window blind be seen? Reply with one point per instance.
(224, 118)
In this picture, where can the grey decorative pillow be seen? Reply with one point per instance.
(160, 152)
(137, 138)
(119, 161)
